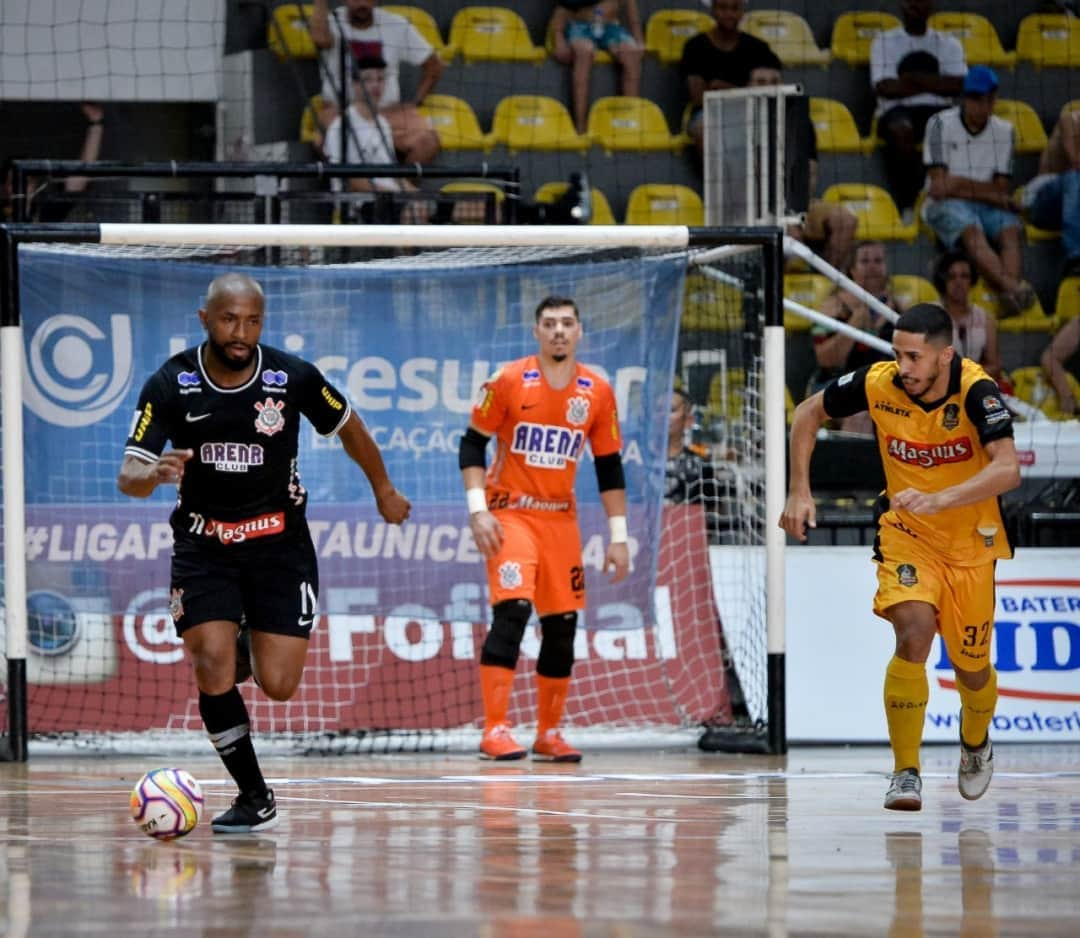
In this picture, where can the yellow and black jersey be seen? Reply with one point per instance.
(930, 447)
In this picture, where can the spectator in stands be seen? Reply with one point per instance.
(975, 334)
(368, 32)
(1055, 363)
(581, 27)
(370, 141)
(1052, 198)
(968, 153)
(64, 208)
(829, 228)
(837, 353)
(721, 58)
(915, 72)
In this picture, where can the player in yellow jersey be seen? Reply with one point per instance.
(541, 409)
(946, 442)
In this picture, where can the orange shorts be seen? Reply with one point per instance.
(963, 596)
(540, 560)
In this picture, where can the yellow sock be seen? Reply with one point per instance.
(906, 693)
(977, 710)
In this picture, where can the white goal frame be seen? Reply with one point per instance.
(14, 743)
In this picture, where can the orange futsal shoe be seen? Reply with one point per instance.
(498, 744)
(551, 747)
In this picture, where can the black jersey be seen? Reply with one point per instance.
(242, 483)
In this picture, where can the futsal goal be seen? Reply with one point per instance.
(410, 321)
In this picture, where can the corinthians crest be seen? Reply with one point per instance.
(270, 419)
(577, 411)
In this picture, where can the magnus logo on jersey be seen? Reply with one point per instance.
(929, 455)
(547, 447)
(76, 374)
(236, 532)
(231, 457)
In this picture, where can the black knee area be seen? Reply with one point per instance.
(557, 645)
(507, 627)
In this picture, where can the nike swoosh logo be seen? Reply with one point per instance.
(192, 418)
(527, 406)
(265, 812)
(304, 623)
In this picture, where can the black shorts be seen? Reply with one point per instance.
(269, 587)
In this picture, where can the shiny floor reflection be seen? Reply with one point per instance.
(627, 844)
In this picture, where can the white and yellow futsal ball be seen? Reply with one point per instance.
(166, 803)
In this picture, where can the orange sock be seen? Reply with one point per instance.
(495, 685)
(550, 700)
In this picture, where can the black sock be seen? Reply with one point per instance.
(225, 717)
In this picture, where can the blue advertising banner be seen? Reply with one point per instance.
(409, 344)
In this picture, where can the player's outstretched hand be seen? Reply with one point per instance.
(617, 560)
(393, 506)
(799, 514)
(487, 532)
(169, 468)
(918, 503)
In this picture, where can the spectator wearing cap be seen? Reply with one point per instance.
(915, 72)
(369, 31)
(368, 138)
(968, 154)
(1052, 198)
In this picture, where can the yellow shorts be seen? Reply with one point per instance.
(540, 560)
(963, 596)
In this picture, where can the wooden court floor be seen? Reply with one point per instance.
(629, 843)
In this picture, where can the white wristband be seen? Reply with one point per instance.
(476, 500)
(617, 526)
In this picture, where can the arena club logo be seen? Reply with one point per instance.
(77, 375)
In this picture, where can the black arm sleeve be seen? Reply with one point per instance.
(609, 472)
(846, 395)
(986, 410)
(471, 450)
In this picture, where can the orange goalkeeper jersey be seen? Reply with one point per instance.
(541, 433)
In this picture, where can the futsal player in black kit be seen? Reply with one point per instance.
(242, 551)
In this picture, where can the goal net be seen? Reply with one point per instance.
(409, 334)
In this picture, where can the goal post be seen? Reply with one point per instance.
(89, 311)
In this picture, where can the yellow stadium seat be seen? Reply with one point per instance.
(1032, 319)
(287, 33)
(601, 208)
(808, 290)
(853, 32)
(787, 34)
(1049, 39)
(621, 123)
(455, 122)
(492, 34)
(835, 127)
(310, 131)
(1031, 385)
(879, 218)
(667, 31)
(978, 37)
(474, 211)
(535, 122)
(1030, 135)
(910, 289)
(600, 57)
(664, 204)
(1067, 304)
(709, 304)
(423, 22)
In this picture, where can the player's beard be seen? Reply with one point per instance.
(223, 357)
(559, 357)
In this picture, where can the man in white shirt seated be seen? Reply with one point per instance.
(915, 71)
(968, 154)
(369, 140)
(368, 31)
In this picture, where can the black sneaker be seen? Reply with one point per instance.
(249, 814)
(243, 655)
